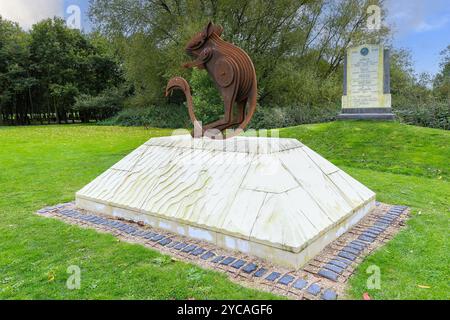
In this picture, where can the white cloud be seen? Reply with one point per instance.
(428, 26)
(28, 12)
(417, 15)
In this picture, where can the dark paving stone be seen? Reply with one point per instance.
(338, 263)
(392, 216)
(260, 272)
(180, 246)
(173, 244)
(376, 229)
(381, 224)
(116, 224)
(329, 294)
(130, 230)
(365, 238)
(140, 233)
(314, 289)
(373, 230)
(165, 241)
(356, 246)
(208, 255)
(189, 248)
(274, 275)
(328, 274)
(343, 260)
(359, 243)
(227, 261)
(347, 255)
(217, 259)
(286, 279)
(238, 264)
(368, 234)
(334, 268)
(300, 284)
(250, 268)
(386, 219)
(351, 250)
(97, 220)
(198, 251)
(157, 237)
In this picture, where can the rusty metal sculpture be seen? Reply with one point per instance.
(234, 75)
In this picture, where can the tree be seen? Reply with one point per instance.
(291, 42)
(44, 70)
(441, 84)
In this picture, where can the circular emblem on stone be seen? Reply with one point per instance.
(364, 51)
(224, 73)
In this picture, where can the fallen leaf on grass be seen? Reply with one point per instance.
(366, 296)
(423, 287)
(51, 276)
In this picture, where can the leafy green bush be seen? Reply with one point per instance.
(207, 102)
(434, 115)
(162, 116)
(102, 106)
(269, 117)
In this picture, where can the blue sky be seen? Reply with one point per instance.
(423, 26)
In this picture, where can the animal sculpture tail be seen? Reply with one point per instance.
(179, 83)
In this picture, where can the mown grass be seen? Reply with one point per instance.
(404, 165)
(45, 165)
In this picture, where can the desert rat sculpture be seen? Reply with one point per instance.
(233, 73)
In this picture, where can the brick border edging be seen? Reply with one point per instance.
(324, 277)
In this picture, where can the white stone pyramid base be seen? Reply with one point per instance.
(272, 198)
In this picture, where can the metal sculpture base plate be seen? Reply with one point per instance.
(272, 198)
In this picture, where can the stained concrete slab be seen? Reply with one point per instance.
(273, 198)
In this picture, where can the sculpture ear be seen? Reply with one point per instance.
(208, 30)
(218, 30)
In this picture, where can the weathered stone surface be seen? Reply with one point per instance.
(208, 255)
(329, 294)
(351, 250)
(217, 259)
(238, 264)
(338, 263)
(286, 279)
(157, 238)
(328, 274)
(227, 261)
(250, 268)
(273, 276)
(314, 289)
(273, 198)
(334, 268)
(165, 241)
(198, 251)
(366, 238)
(347, 255)
(260, 272)
(300, 284)
(180, 246)
(189, 248)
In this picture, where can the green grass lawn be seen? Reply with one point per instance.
(45, 165)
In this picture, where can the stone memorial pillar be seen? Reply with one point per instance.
(366, 84)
